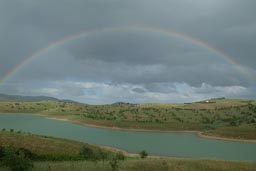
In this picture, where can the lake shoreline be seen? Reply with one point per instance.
(197, 133)
(130, 152)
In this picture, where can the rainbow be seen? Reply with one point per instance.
(169, 33)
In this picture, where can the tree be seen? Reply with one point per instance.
(120, 156)
(87, 153)
(143, 154)
(16, 160)
(103, 155)
(114, 164)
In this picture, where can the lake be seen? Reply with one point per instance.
(165, 144)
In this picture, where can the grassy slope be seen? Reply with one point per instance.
(232, 118)
(55, 146)
(44, 145)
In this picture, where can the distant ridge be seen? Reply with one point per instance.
(18, 98)
(123, 103)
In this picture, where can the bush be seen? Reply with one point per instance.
(89, 154)
(120, 156)
(103, 155)
(233, 123)
(143, 154)
(16, 160)
(2, 153)
(114, 164)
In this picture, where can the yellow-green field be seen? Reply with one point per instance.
(148, 165)
(230, 118)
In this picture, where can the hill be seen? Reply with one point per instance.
(48, 148)
(17, 98)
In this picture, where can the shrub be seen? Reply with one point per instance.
(103, 155)
(120, 156)
(143, 154)
(16, 160)
(232, 123)
(114, 164)
(88, 153)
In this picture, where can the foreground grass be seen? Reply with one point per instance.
(230, 118)
(146, 165)
(149, 165)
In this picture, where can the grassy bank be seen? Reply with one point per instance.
(230, 118)
(56, 147)
(49, 148)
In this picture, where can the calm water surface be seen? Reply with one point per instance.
(167, 144)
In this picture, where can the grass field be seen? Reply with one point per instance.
(146, 165)
(41, 145)
(230, 118)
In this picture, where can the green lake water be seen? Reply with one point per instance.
(165, 144)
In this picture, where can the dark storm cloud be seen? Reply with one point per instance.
(147, 61)
(139, 90)
(140, 47)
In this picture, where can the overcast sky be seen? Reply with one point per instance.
(136, 66)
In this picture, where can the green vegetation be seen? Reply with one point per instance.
(44, 148)
(15, 159)
(64, 155)
(143, 154)
(18, 150)
(150, 164)
(231, 118)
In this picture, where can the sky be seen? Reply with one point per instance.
(129, 65)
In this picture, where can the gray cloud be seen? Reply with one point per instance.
(95, 93)
(148, 62)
